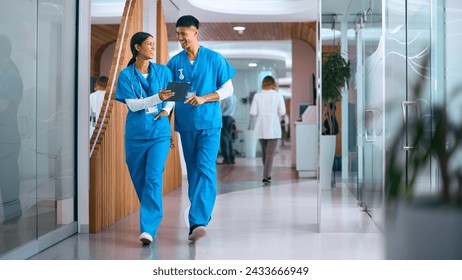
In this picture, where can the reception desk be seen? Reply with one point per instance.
(306, 149)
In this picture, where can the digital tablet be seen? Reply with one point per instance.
(180, 89)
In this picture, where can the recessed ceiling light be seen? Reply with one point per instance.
(239, 29)
(252, 64)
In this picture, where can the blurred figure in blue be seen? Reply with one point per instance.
(11, 88)
(228, 106)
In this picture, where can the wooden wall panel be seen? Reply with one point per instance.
(161, 36)
(254, 31)
(102, 35)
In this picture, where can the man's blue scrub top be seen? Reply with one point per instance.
(208, 73)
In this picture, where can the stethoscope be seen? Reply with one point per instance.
(135, 76)
(133, 88)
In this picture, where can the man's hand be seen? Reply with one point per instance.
(196, 100)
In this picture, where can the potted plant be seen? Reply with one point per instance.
(335, 76)
(425, 226)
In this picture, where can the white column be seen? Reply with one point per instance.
(359, 100)
(344, 52)
(83, 84)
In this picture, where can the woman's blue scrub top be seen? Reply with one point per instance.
(132, 85)
(208, 73)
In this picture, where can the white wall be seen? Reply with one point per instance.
(303, 66)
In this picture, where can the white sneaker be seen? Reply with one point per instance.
(197, 233)
(146, 238)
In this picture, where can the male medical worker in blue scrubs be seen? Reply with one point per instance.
(141, 85)
(198, 119)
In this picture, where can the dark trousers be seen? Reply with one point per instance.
(268, 149)
(226, 140)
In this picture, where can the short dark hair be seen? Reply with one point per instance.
(187, 21)
(102, 81)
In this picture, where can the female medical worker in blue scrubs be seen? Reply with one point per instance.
(147, 130)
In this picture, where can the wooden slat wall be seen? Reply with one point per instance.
(102, 35)
(304, 31)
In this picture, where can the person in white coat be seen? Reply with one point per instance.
(96, 101)
(268, 106)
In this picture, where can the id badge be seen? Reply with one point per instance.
(152, 110)
(190, 93)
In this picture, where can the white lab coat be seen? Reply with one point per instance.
(268, 106)
(96, 101)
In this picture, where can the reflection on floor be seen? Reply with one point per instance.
(250, 221)
(25, 228)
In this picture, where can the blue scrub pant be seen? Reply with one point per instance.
(145, 160)
(200, 150)
(10, 181)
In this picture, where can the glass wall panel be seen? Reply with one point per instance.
(56, 114)
(373, 108)
(408, 71)
(450, 41)
(18, 95)
(356, 26)
(37, 119)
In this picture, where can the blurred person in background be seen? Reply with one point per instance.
(268, 107)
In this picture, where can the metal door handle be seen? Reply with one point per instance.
(405, 105)
(370, 126)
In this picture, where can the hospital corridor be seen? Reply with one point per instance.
(250, 221)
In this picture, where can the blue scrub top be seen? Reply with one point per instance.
(208, 73)
(11, 88)
(140, 125)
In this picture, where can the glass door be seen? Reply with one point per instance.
(408, 70)
(56, 114)
(397, 86)
(37, 124)
(18, 96)
(371, 42)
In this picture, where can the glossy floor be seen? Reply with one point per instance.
(250, 221)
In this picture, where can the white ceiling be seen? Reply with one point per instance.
(243, 10)
(241, 52)
(219, 10)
